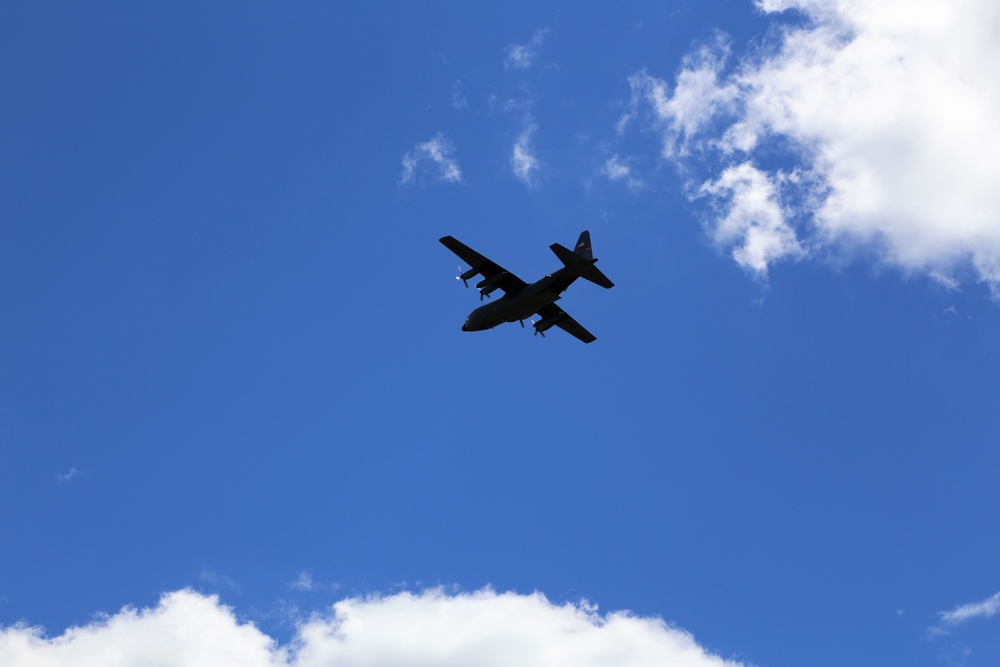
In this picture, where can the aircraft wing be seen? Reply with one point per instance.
(560, 318)
(490, 270)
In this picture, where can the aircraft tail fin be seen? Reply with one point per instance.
(581, 261)
(583, 246)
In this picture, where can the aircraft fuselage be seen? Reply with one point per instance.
(521, 305)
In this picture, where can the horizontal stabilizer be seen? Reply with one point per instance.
(581, 266)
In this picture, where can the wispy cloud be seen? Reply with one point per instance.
(431, 159)
(458, 98)
(521, 56)
(684, 112)
(218, 581)
(432, 627)
(618, 169)
(966, 612)
(303, 582)
(72, 473)
(522, 159)
(888, 113)
(306, 583)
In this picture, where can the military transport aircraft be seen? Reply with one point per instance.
(521, 300)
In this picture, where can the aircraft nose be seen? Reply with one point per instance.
(465, 327)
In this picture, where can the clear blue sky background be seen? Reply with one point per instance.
(230, 342)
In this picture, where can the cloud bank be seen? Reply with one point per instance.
(419, 629)
(870, 127)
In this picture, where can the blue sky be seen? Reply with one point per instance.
(236, 390)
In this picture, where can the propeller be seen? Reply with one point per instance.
(461, 276)
(482, 294)
(537, 330)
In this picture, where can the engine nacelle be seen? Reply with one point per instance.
(547, 323)
(489, 285)
(466, 275)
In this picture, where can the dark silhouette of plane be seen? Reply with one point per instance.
(521, 300)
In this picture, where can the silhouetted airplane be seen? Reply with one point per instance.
(521, 300)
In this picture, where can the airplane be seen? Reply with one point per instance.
(521, 300)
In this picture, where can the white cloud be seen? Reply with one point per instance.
(430, 628)
(521, 56)
(698, 96)
(307, 583)
(68, 475)
(890, 112)
(522, 160)
(618, 169)
(753, 221)
(184, 629)
(966, 612)
(218, 581)
(304, 582)
(458, 99)
(432, 158)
